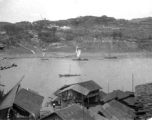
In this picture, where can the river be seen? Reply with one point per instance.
(43, 75)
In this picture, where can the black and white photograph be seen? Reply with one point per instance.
(75, 59)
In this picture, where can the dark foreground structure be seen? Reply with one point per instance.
(78, 101)
(143, 97)
(20, 103)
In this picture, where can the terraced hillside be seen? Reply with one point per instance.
(93, 33)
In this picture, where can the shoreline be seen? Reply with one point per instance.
(73, 55)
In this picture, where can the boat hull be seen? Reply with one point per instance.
(68, 75)
(80, 59)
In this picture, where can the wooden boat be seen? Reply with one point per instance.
(14, 65)
(44, 58)
(68, 75)
(78, 53)
(110, 57)
(80, 59)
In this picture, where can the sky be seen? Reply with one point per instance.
(32, 10)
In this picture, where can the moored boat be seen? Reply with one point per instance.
(68, 75)
(80, 59)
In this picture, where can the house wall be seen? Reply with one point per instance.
(93, 97)
(71, 95)
(3, 114)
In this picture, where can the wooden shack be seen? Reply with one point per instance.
(126, 97)
(86, 93)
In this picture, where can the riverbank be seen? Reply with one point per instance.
(73, 55)
(69, 51)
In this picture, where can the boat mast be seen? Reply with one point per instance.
(108, 87)
(109, 47)
(132, 82)
(70, 69)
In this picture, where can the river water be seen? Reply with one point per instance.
(43, 75)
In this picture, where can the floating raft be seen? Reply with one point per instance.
(4, 64)
(80, 59)
(68, 75)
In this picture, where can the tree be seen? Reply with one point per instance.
(149, 37)
(114, 35)
(117, 34)
(53, 30)
(69, 37)
(12, 29)
(120, 34)
(14, 32)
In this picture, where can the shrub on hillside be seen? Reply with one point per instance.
(12, 29)
(69, 37)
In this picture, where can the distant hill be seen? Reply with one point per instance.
(86, 20)
(4, 23)
(82, 29)
(138, 20)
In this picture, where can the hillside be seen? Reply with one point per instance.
(91, 32)
(141, 19)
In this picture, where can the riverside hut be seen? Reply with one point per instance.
(126, 98)
(86, 93)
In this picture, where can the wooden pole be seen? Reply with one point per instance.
(122, 87)
(132, 82)
(108, 87)
(70, 69)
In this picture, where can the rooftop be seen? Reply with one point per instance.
(90, 85)
(85, 87)
(73, 112)
(117, 94)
